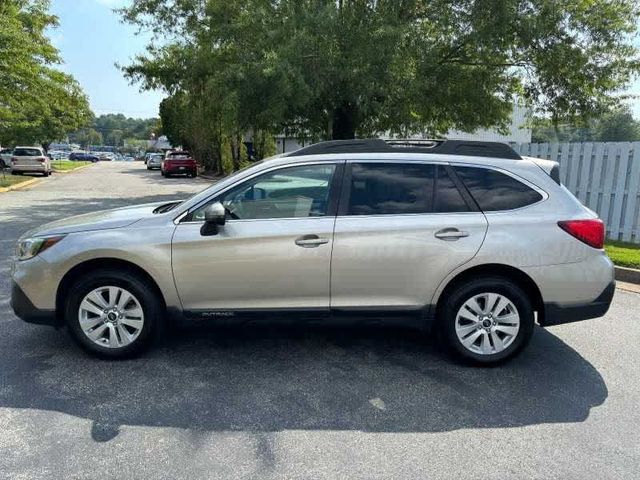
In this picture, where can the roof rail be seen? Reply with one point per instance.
(440, 146)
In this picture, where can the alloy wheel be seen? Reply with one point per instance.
(111, 317)
(487, 323)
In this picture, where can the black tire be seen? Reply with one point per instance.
(146, 295)
(463, 292)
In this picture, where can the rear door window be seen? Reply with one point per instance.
(494, 191)
(391, 189)
(447, 196)
(403, 188)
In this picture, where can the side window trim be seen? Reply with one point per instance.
(345, 195)
(332, 206)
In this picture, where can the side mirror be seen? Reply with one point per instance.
(214, 216)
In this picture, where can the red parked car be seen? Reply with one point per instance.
(179, 163)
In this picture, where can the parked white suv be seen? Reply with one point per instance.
(30, 160)
(466, 238)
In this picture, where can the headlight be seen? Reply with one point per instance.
(30, 247)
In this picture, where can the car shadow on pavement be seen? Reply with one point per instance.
(268, 379)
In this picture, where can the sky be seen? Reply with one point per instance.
(92, 39)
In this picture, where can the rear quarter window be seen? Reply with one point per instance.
(494, 191)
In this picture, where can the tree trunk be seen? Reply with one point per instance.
(236, 151)
(345, 122)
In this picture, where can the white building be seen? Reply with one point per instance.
(517, 132)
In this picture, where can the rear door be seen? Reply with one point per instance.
(401, 228)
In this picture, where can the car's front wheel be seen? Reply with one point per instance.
(112, 313)
(487, 320)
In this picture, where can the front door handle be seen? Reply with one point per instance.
(310, 241)
(450, 234)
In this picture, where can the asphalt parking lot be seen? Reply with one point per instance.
(287, 402)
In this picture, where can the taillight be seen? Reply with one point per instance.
(42, 159)
(14, 159)
(589, 231)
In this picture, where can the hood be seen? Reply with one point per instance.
(101, 220)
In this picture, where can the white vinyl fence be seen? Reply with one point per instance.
(604, 176)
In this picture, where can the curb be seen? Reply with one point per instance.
(53, 167)
(17, 186)
(629, 275)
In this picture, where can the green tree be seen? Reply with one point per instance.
(38, 103)
(618, 126)
(86, 137)
(340, 68)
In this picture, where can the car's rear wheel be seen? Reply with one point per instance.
(487, 320)
(112, 314)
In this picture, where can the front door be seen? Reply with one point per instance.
(274, 252)
(401, 228)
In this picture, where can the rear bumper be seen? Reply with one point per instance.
(177, 166)
(555, 314)
(178, 170)
(30, 168)
(27, 311)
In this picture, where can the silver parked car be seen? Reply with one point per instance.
(466, 238)
(154, 161)
(30, 160)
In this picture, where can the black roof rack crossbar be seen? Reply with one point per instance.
(445, 147)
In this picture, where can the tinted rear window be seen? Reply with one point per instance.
(495, 191)
(27, 152)
(391, 189)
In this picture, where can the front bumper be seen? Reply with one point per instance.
(27, 311)
(555, 314)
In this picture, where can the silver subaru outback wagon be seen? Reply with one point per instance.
(466, 238)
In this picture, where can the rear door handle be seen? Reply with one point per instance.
(310, 241)
(450, 234)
